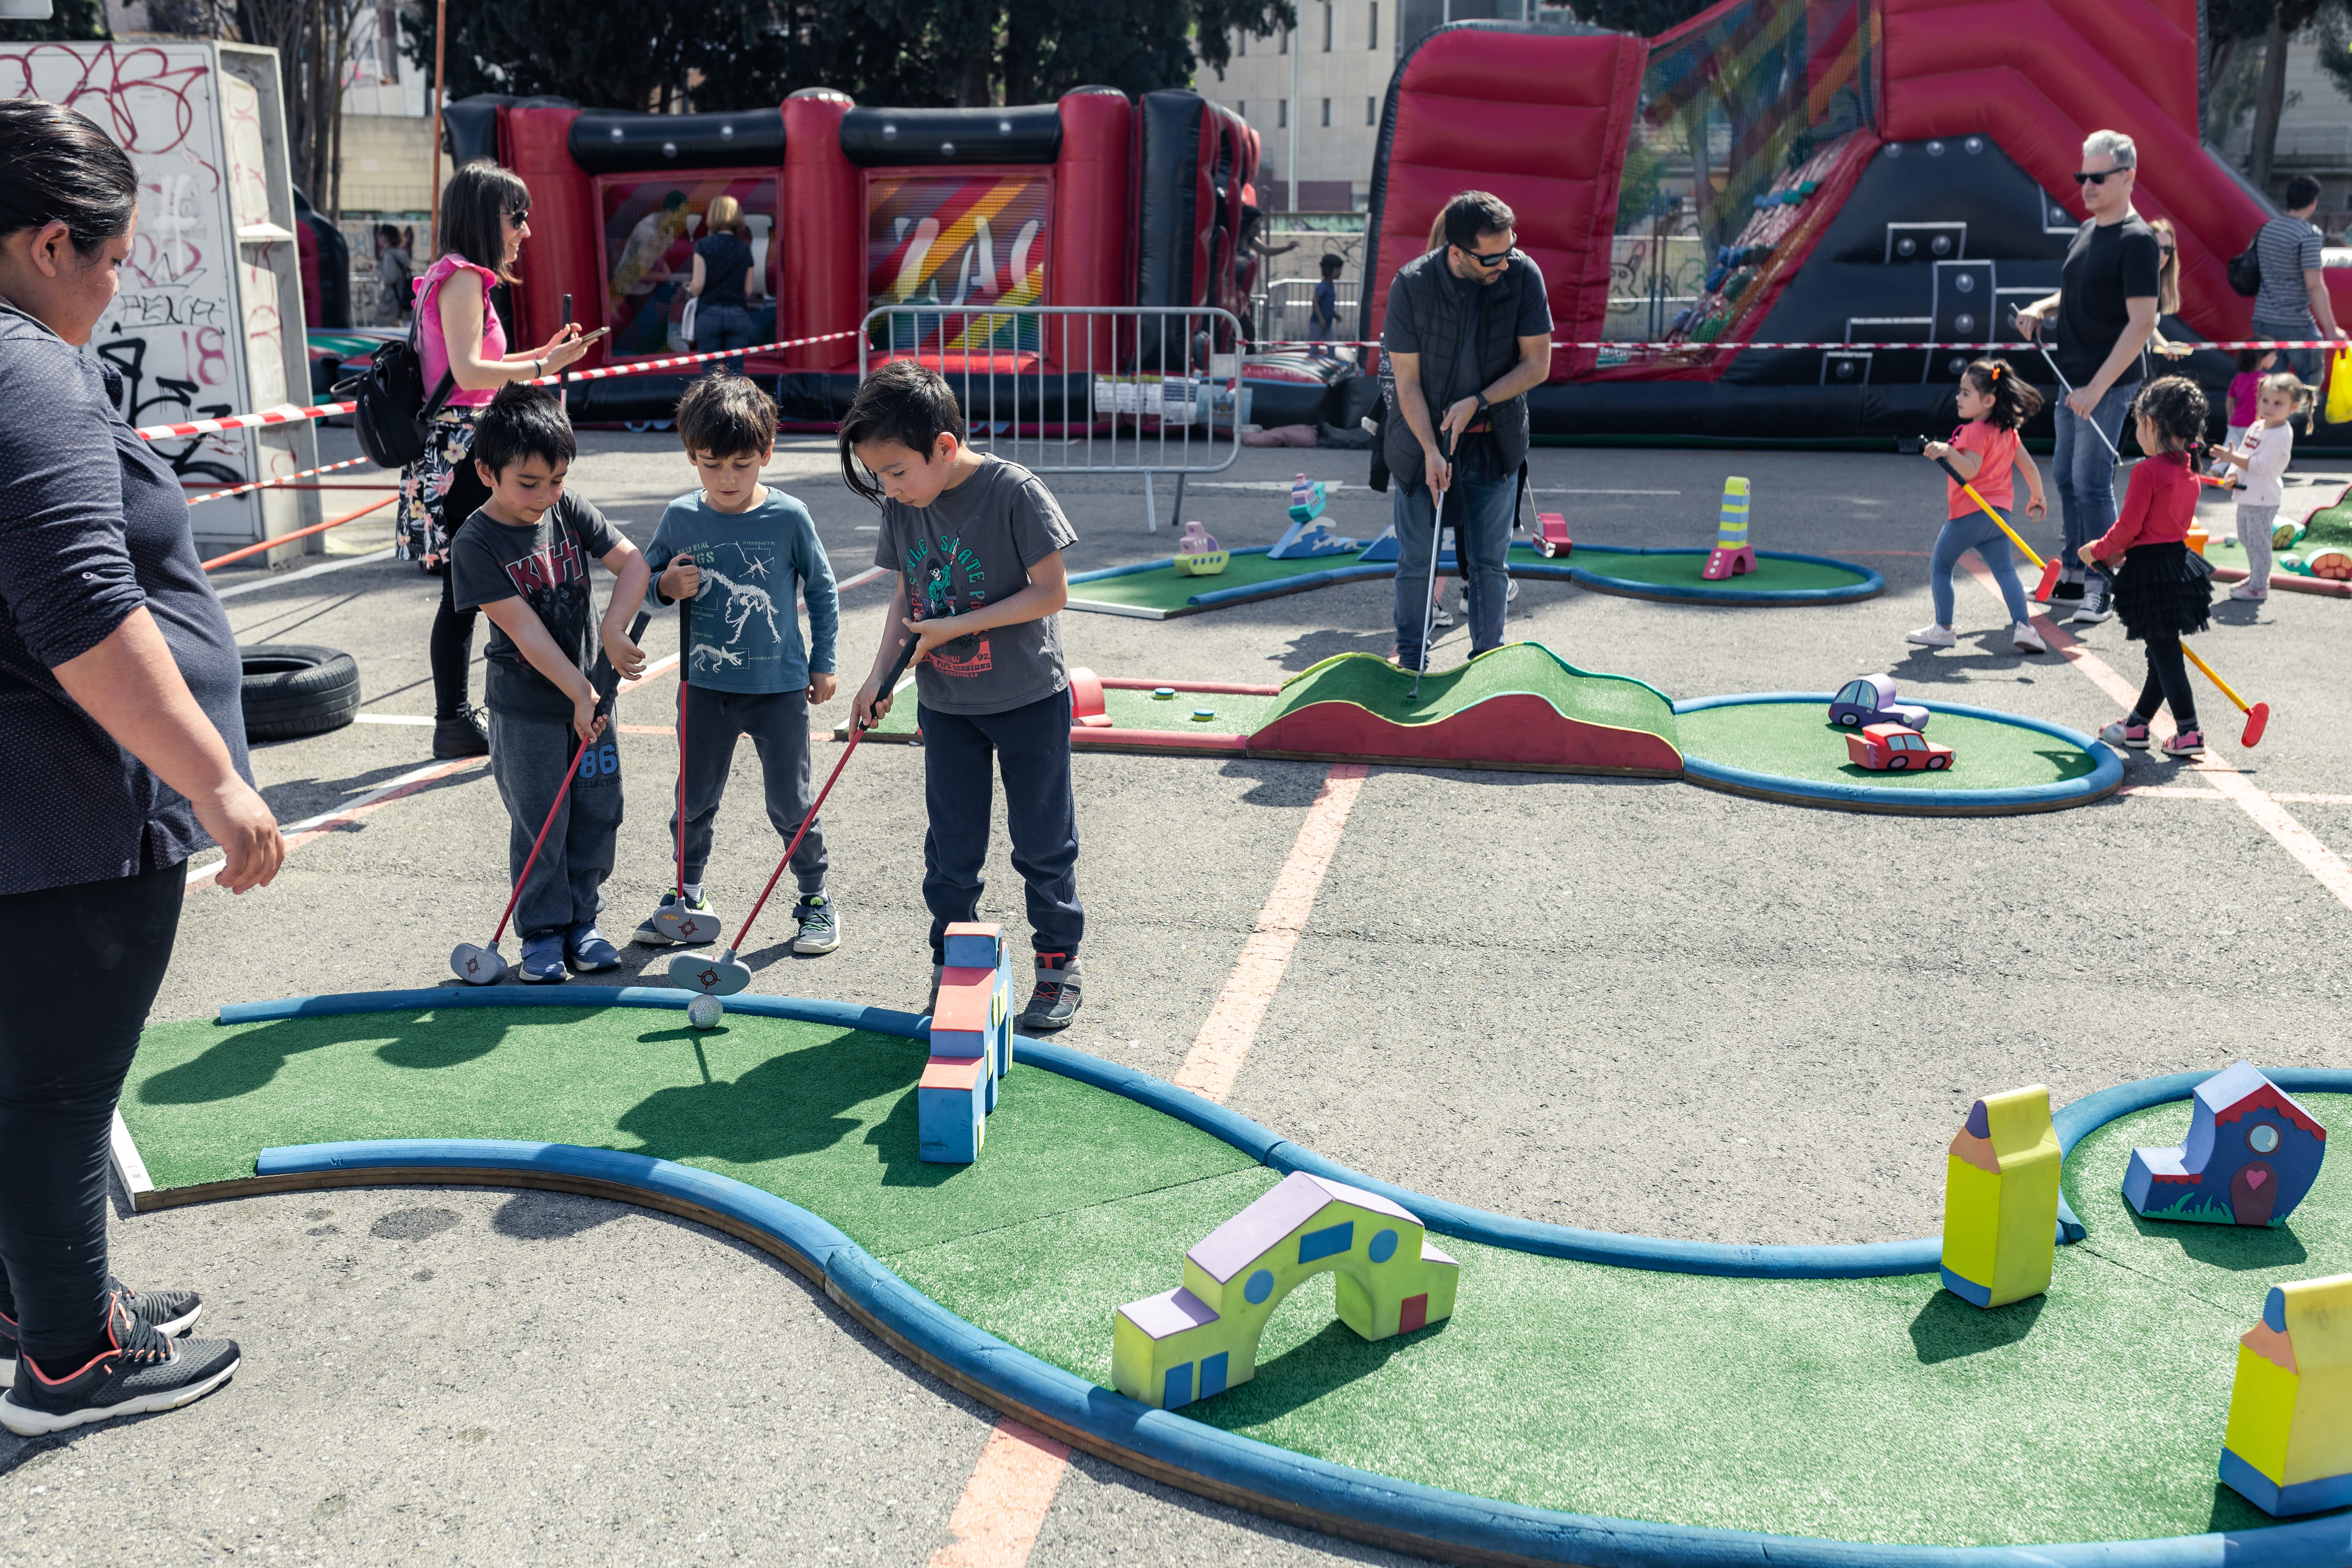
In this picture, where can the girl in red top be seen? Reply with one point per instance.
(2162, 591)
(1993, 404)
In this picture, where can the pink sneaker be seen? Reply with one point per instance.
(2125, 732)
(2188, 743)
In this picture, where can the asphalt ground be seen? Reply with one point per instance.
(1636, 1006)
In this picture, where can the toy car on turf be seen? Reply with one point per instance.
(1870, 700)
(1891, 748)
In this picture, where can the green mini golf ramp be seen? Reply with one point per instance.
(1519, 706)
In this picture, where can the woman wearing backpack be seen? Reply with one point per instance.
(485, 214)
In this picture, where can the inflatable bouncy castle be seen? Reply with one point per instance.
(1848, 175)
(1092, 201)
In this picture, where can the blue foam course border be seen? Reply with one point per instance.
(1870, 587)
(2104, 778)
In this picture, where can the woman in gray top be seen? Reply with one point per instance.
(124, 752)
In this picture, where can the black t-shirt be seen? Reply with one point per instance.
(547, 568)
(725, 259)
(2106, 264)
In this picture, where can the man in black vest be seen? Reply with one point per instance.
(1468, 331)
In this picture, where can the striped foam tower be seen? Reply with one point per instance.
(1732, 556)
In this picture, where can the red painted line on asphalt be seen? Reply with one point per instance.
(2324, 865)
(1231, 1025)
(995, 1523)
(309, 829)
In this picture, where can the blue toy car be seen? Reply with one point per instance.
(1870, 700)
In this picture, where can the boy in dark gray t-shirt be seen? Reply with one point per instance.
(976, 544)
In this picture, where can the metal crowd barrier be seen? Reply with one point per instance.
(1079, 389)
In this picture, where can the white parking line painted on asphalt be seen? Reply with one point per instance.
(2324, 865)
(234, 589)
(298, 833)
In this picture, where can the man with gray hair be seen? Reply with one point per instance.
(2105, 311)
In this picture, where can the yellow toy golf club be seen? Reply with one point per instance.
(2258, 717)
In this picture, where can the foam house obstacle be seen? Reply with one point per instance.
(971, 1047)
(2251, 1155)
(1853, 175)
(2288, 1447)
(1201, 1338)
(2001, 1200)
(1095, 200)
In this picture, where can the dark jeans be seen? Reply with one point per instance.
(1480, 513)
(717, 327)
(79, 967)
(2304, 363)
(2084, 469)
(2168, 683)
(778, 723)
(452, 628)
(1032, 748)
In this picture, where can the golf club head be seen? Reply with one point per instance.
(688, 927)
(719, 976)
(476, 965)
(2258, 719)
(2049, 584)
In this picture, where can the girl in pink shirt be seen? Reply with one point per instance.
(2163, 590)
(1993, 404)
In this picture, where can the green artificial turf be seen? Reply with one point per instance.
(1374, 684)
(1796, 740)
(821, 1115)
(1164, 590)
(1682, 571)
(1874, 1410)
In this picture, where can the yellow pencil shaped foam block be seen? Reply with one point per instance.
(2001, 1200)
(2288, 1447)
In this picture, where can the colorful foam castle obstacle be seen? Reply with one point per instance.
(2001, 1200)
(1198, 554)
(2251, 1155)
(1202, 1338)
(2288, 1448)
(972, 1045)
(1732, 556)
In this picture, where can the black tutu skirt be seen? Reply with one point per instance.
(2163, 591)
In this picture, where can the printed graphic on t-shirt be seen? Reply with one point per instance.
(736, 624)
(938, 587)
(549, 568)
(554, 580)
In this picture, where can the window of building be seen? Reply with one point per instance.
(1281, 114)
(1372, 111)
(1372, 34)
(1326, 112)
(1327, 9)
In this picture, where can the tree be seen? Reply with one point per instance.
(745, 53)
(73, 20)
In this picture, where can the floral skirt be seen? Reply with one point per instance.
(424, 485)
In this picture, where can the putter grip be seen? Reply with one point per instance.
(1946, 464)
(606, 680)
(897, 668)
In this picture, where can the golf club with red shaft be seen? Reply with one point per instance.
(727, 974)
(486, 965)
(688, 927)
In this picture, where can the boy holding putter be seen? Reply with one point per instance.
(523, 560)
(742, 552)
(976, 544)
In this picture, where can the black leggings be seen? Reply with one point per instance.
(2168, 682)
(79, 966)
(452, 628)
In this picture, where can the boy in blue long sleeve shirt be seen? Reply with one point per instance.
(742, 553)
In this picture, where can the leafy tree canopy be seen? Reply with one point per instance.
(72, 19)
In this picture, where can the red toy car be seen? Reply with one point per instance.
(1891, 748)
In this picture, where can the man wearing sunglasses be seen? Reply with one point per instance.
(1467, 333)
(2105, 311)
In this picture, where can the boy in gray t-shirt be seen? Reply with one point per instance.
(976, 544)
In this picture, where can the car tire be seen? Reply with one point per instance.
(1940, 762)
(1849, 719)
(291, 691)
(1897, 763)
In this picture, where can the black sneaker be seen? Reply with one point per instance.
(2096, 606)
(1055, 1001)
(466, 735)
(819, 926)
(2066, 594)
(139, 1370)
(173, 1313)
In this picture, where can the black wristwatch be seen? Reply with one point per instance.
(1484, 406)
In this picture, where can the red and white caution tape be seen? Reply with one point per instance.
(1736, 347)
(291, 414)
(283, 479)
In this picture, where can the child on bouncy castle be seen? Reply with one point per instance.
(976, 544)
(2163, 591)
(1993, 402)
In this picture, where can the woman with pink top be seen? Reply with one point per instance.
(485, 213)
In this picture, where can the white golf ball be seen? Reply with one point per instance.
(704, 1012)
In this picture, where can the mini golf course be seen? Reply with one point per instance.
(1155, 590)
(1680, 1402)
(1781, 746)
